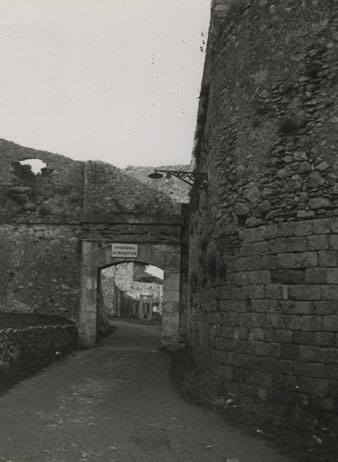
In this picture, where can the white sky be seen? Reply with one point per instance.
(111, 80)
(155, 271)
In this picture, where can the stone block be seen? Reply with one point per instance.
(309, 353)
(259, 248)
(303, 307)
(263, 306)
(256, 334)
(238, 265)
(242, 333)
(271, 231)
(252, 263)
(254, 292)
(329, 355)
(329, 292)
(300, 368)
(321, 226)
(171, 281)
(332, 275)
(289, 351)
(317, 370)
(315, 276)
(314, 386)
(259, 277)
(291, 322)
(324, 339)
(334, 224)
(319, 203)
(272, 365)
(303, 228)
(303, 338)
(330, 323)
(311, 323)
(262, 393)
(260, 233)
(261, 349)
(268, 262)
(274, 350)
(237, 278)
(306, 259)
(282, 336)
(286, 229)
(329, 404)
(285, 366)
(236, 306)
(171, 296)
(258, 319)
(277, 245)
(276, 321)
(331, 372)
(323, 307)
(286, 260)
(225, 293)
(288, 276)
(303, 292)
(318, 242)
(305, 214)
(286, 306)
(249, 235)
(327, 258)
(172, 262)
(275, 291)
(333, 242)
(297, 244)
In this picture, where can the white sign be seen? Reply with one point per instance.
(124, 250)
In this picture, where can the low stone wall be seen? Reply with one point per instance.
(17, 345)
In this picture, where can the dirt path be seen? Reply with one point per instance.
(115, 403)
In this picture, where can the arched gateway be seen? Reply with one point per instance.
(57, 228)
(161, 246)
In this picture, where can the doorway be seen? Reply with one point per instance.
(96, 257)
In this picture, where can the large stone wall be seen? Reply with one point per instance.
(110, 190)
(19, 345)
(40, 269)
(45, 217)
(264, 236)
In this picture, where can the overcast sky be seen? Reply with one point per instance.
(110, 80)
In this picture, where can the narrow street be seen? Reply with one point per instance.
(115, 403)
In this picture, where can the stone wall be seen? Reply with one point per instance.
(174, 188)
(264, 236)
(40, 269)
(53, 195)
(126, 278)
(17, 345)
(45, 217)
(110, 190)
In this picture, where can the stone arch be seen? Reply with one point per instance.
(96, 257)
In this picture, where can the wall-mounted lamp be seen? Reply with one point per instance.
(192, 178)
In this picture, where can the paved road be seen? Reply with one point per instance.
(115, 403)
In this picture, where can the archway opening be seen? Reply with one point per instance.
(96, 257)
(131, 291)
